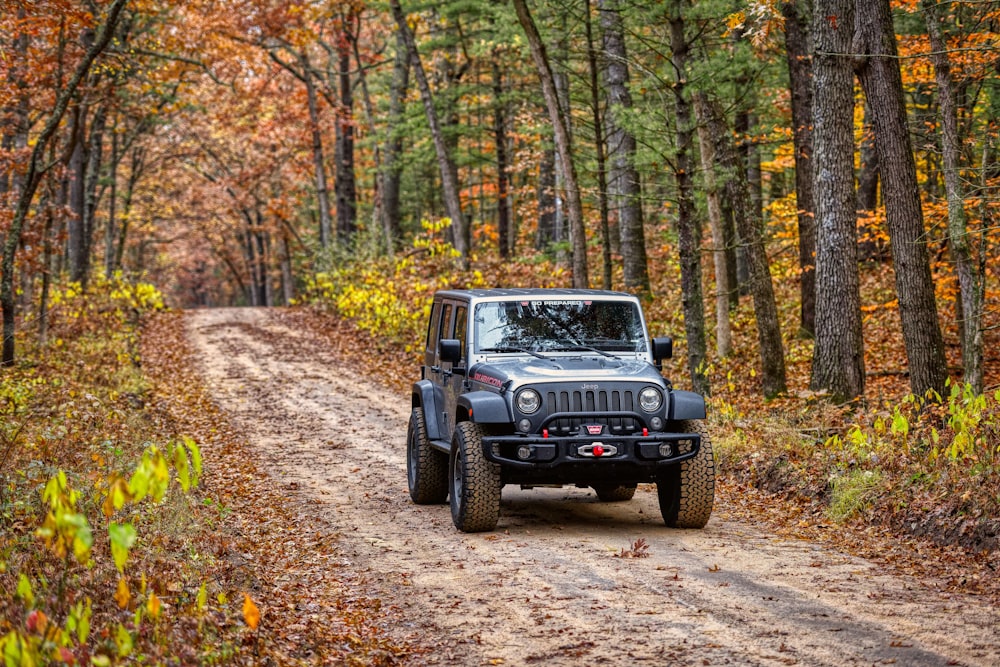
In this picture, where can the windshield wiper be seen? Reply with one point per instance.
(576, 347)
(511, 348)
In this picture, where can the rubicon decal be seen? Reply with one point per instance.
(488, 379)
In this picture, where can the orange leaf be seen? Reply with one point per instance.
(250, 612)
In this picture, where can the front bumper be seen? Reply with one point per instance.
(583, 457)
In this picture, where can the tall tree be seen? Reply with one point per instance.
(750, 226)
(344, 184)
(505, 231)
(723, 277)
(969, 280)
(877, 67)
(800, 84)
(563, 144)
(622, 150)
(446, 162)
(688, 236)
(838, 355)
(394, 140)
(599, 145)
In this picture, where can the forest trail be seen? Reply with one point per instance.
(552, 585)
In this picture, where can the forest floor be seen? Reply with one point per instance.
(305, 446)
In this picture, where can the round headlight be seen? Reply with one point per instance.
(528, 401)
(650, 399)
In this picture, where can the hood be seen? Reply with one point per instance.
(521, 370)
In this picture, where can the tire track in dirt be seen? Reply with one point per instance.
(550, 585)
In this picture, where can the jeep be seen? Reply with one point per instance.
(551, 387)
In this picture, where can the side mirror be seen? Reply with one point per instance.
(663, 348)
(450, 350)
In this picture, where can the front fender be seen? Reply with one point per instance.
(686, 405)
(424, 398)
(483, 407)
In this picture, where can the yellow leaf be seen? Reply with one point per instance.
(153, 606)
(250, 612)
(122, 595)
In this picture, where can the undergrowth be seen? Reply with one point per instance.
(98, 512)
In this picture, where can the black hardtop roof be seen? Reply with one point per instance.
(530, 292)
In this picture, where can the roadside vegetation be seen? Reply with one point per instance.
(119, 542)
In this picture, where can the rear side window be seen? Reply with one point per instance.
(461, 325)
(433, 326)
(444, 331)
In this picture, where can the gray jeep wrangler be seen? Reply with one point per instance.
(551, 387)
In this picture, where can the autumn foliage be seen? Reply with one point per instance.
(280, 153)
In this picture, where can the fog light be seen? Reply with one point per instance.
(524, 425)
(666, 450)
(656, 423)
(524, 452)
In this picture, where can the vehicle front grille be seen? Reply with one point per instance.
(591, 401)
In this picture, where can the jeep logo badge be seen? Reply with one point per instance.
(588, 387)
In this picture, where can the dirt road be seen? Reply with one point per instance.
(552, 586)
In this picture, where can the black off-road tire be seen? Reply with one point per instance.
(426, 467)
(475, 482)
(687, 490)
(615, 494)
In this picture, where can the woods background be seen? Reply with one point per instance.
(804, 193)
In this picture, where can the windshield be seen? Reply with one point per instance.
(513, 326)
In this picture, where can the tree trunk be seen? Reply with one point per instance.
(135, 173)
(870, 246)
(504, 228)
(969, 279)
(546, 235)
(723, 279)
(602, 180)
(445, 161)
(622, 150)
(378, 216)
(838, 355)
(77, 188)
(95, 152)
(319, 162)
(880, 77)
(344, 182)
(800, 85)
(563, 145)
(688, 236)
(751, 233)
(111, 227)
(394, 141)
